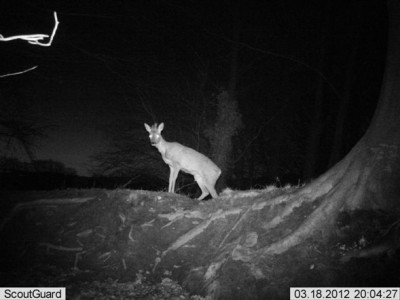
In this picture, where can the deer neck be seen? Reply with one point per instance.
(161, 146)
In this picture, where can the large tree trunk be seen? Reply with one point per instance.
(369, 176)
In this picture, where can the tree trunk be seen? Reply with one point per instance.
(368, 176)
(317, 122)
(228, 119)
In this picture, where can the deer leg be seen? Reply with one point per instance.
(204, 190)
(172, 179)
(212, 190)
(210, 184)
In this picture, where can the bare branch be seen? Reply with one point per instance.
(36, 42)
(25, 37)
(31, 39)
(17, 73)
(34, 38)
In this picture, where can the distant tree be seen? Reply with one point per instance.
(50, 166)
(12, 164)
(221, 132)
(129, 155)
(20, 134)
(193, 116)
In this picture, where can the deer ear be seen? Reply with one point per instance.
(161, 127)
(147, 127)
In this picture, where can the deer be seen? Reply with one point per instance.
(179, 157)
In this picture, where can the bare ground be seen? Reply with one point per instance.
(125, 244)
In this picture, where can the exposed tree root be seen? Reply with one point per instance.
(241, 231)
(78, 255)
(60, 248)
(342, 187)
(196, 231)
(352, 184)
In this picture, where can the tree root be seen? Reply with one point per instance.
(351, 186)
(191, 234)
(60, 248)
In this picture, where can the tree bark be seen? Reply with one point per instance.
(368, 176)
(229, 118)
(317, 122)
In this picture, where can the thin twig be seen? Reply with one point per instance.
(18, 73)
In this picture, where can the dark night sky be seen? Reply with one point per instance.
(108, 56)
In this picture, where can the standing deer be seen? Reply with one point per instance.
(180, 157)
